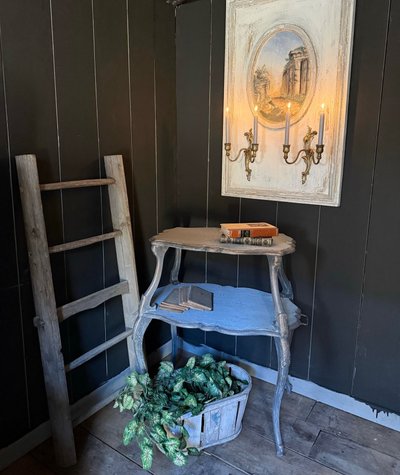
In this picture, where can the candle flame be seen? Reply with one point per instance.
(322, 106)
(256, 109)
(289, 105)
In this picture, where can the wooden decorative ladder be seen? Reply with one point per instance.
(48, 315)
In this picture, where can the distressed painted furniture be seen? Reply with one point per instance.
(237, 311)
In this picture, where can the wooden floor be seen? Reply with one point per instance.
(319, 440)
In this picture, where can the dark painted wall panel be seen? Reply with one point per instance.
(340, 261)
(377, 376)
(193, 33)
(114, 127)
(79, 157)
(30, 111)
(104, 64)
(328, 267)
(302, 222)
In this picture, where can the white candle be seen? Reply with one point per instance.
(255, 125)
(287, 125)
(227, 135)
(321, 125)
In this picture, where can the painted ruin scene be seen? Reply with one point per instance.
(282, 72)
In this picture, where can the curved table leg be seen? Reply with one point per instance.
(174, 340)
(281, 384)
(142, 322)
(177, 264)
(287, 290)
(175, 280)
(288, 384)
(283, 348)
(138, 337)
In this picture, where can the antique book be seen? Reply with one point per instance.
(200, 299)
(183, 298)
(240, 230)
(265, 241)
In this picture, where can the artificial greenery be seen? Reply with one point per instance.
(158, 404)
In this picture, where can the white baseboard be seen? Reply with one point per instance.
(81, 410)
(305, 388)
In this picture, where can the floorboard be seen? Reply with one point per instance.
(358, 430)
(94, 457)
(319, 440)
(256, 455)
(350, 458)
(108, 425)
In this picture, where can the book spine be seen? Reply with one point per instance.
(267, 241)
(252, 233)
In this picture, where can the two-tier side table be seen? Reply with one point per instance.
(237, 310)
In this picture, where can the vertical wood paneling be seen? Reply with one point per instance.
(141, 46)
(343, 230)
(219, 209)
(376, 366)
(113, 115)
(29, 93)
(75, 81)
(302, 222)
(103, 69)
(165, 102)
(14, 415)
(165, 138)
(193, 33)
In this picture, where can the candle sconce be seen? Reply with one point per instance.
(310, 155)
(250, 152)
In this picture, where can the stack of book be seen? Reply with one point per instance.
(181, 299)
(253, 234)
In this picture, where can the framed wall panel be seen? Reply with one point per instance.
(280, 52)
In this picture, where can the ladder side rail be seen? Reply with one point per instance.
(121, 220)
(46, 311)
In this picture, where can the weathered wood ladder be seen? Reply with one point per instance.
(48, 315)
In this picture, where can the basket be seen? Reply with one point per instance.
(220, 421)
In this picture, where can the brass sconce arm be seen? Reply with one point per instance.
(308, 154)
(250, 153)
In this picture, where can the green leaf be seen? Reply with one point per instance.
(190, 401)
(144, 379)
(213, 390)
(180, 459)
(165, 369)
(199, 376)
(228, 380)
(193, 451)
(178, 385)
(132, 379)
(127, 402)
(184, 432)
(167, 418)
(116, 404)
(147, 457)
(130, 432)
(195, 411)
(191, 362)
(207, 360)
(160, 432)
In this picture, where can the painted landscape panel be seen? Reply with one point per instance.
(281, 73)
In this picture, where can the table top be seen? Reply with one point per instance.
(207, 240)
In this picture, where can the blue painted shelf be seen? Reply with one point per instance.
(237, 311)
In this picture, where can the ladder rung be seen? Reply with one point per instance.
(84, 242)
(99, 349)
(92, 300)
(62, 185)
